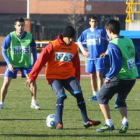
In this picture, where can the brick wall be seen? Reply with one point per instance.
(12, 6)
(107, 8)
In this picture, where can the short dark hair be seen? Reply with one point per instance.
(113, 26)
(93, 17)
(19, 19)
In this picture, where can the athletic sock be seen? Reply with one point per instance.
(2, 103)
(109, 122)
(33, 101)
(95, 93)
(82, 106)
(59, 110)
(124, 121)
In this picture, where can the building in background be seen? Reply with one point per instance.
(49, 17)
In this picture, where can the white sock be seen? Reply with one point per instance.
(124, 120)
(2, 103)
(95, 93)
(33, 101)
(109, 122)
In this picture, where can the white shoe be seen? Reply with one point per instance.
(35, 106)
(1, 106)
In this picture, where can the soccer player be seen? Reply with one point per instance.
(96, 42)
(16, 50)
(62, 72)
(121, 77)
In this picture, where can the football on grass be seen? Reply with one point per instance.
(50, 121)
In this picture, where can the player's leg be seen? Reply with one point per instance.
(57, 87)
(100, 65)
(7, 79)
(33, 89)
(99, 75)
(93, 86)
(103, 97)
(122, 95)
(4, 90)
(90, 68)
(72, 85)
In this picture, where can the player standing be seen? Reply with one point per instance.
(16, 50)
(96, 42)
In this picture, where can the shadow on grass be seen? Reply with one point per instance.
(19, 119)
(71, 135)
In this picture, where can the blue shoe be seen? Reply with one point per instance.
(124, 128)
(116, 106)
(94, 98)
(104, 128)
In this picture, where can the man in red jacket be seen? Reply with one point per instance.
(62, 72)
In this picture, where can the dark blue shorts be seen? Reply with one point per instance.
(24, 72)
(71, 84)
(92, 66)
(121, 87)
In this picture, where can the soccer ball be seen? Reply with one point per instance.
(50, 121)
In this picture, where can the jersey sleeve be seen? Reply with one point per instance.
(80, 41)
(5, 46)
(34, 50)
(6, 42)
(76, 64)
(41, 61)
(115, 61)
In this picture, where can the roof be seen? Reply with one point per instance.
(130, 34)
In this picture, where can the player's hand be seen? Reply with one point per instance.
(106, 83)
(28, 82)
(86, 54)
(102, 55)
(10, 67)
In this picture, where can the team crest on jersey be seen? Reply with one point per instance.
(93, 39)
(21, 50)
(131, 64)
(63, 56)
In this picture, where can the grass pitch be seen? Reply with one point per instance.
(19, 122)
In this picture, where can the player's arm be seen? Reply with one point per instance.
(5, 46)
(80, 44)
(34, 50)
(115, 61)
(76, 64)
(40, 62)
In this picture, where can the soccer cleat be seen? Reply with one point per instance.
(105, 127)
(124, 128)
(1, 106)
(91, 123)
(94, 98)
(59, 126)
(35, 106)
(116, 106)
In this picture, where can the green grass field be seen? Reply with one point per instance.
(19, 122)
